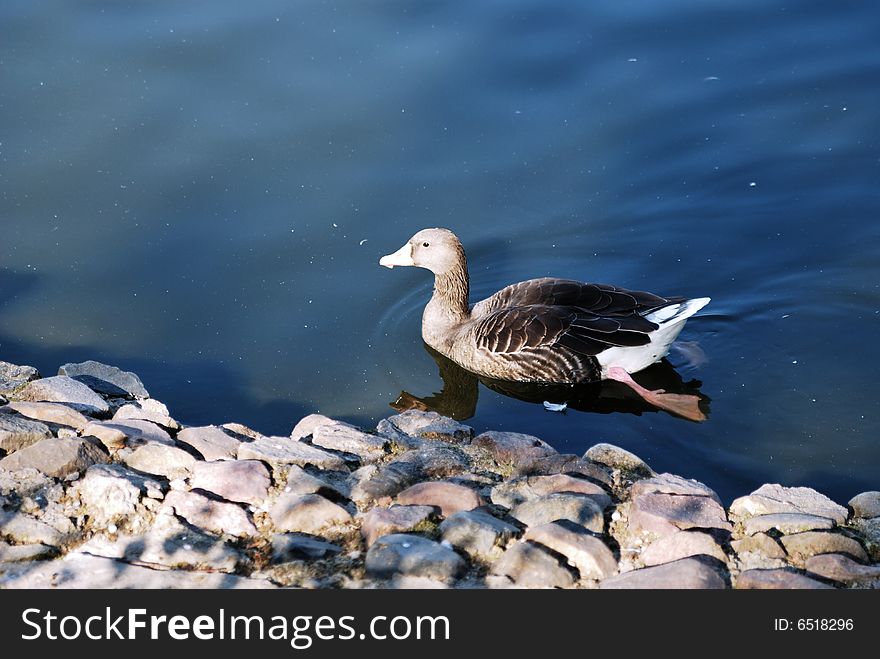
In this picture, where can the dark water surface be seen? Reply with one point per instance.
(200, 192)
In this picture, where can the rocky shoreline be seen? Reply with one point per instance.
(100, 487)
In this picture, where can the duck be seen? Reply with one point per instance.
(547, 330)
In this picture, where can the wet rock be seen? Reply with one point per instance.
(843, 569)
(687, 573)
(105, 379)
(340, 437)
(13, 376)
(577, 508)
(567, 464)
(682, 544)
(244, 481)
(804, 545)
(20, 553)
(146, 411)
(585, 552)
(299, 481)
(477, 533)
(514, 492)
(672, 484)
(529, 566)
(776, 579)
(448, 497)
(436, 461)
(56, 413)
(866, 505)
(24, 529)
(513, 448)
(111, 493)
(617, 458)
(212, 442)
(211, 515)
(773, 498)
(412, 556)
(308, 513)
(161, 460)
(17, 433)
(664, 514)
(288, 547)
(55, 457)
(786, 523)
(378, 522)
(424, 425)
(62, 389)
(285, 451)
(760, 544)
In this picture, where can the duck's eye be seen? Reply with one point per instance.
(426, 245)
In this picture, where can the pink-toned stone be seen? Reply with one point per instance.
(513, 448)
(396, 519)
(308, 513)
(211, 442)
(682, 544)
(664, 514)
(672, 484)
(50, 413)
(448, 497)
(774, 498)
(838, 567)
(803, 545)
(776, 579)
(588, 554)
(687, 573)
(244, 481)
(215, 516)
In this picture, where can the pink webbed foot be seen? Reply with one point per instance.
(684, 405)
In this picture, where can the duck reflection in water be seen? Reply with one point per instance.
(460, 392)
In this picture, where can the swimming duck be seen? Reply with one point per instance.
(547, 330)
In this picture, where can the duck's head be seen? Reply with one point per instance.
(437, 250)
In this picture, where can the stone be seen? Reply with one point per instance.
(135, 433)
(412, 556)
(682, 544)
(557, 463)
(376, 484)
(13, 376)
(24, 529)
(424, 425)
(299, 481)
(687, 573)
(106, 379)
(243, 481)
(843, 569)
(285, 451)
(19, 553)
(17, 433)
(436, 461)
(513, 448)
(866, 505)
(341, 437)
(144, 413)
(529, 566)
(786, 523)
(585, 552)
(804, 545)
(577, 508)
(377, 522)
(56, 413)
(761, 544)
(672, 484)
(83, 571)
(870, 531)
(22, 482)
(56, 457)
(448, 497)
(112, 438)
(111, 493)
(287, 547)
(407, 582)
(62, 389)
(776, 579)
(211, 442)
(215, 516)
(161, 460)
(774, 498)
(308, 424)
(664, 514)
(308, 513)
(241, 430)
(618, 458)
(477, 533)
(514, 492)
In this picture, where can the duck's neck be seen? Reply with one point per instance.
(448, 306)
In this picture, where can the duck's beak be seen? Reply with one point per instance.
(403, 256)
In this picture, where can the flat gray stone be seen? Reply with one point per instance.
(664, 514)
(62, 389)
(299, 481)
(57, 413)
(306, 426)
(287, 547)
(687, 573)
(17, 432)
(866, 505)
(683, 544)
(804, 545)
(672, 484)
(477, 533)
(111, 493)
(243, 481)
(56, 457)
(529, 566)
(424, 425)
(23, 482)
(341, 437)
(513, 448)
(514, 492)
(585, 552)
(559, 463)
(786, 523)
(377, 522)
(307, 513)
(214, 516)
(24, 529)
(577, 508)
(145, 412)
(776, 579)
(284, 451)
(161, 460)
(106, 379)
(212, 442)
(19, 553)
(843, 569)
(618, 458)
(774, 498)
(448, 497)
(436, 461)
(13, 376)
(414, 556)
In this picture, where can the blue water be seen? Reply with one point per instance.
(200, 192)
